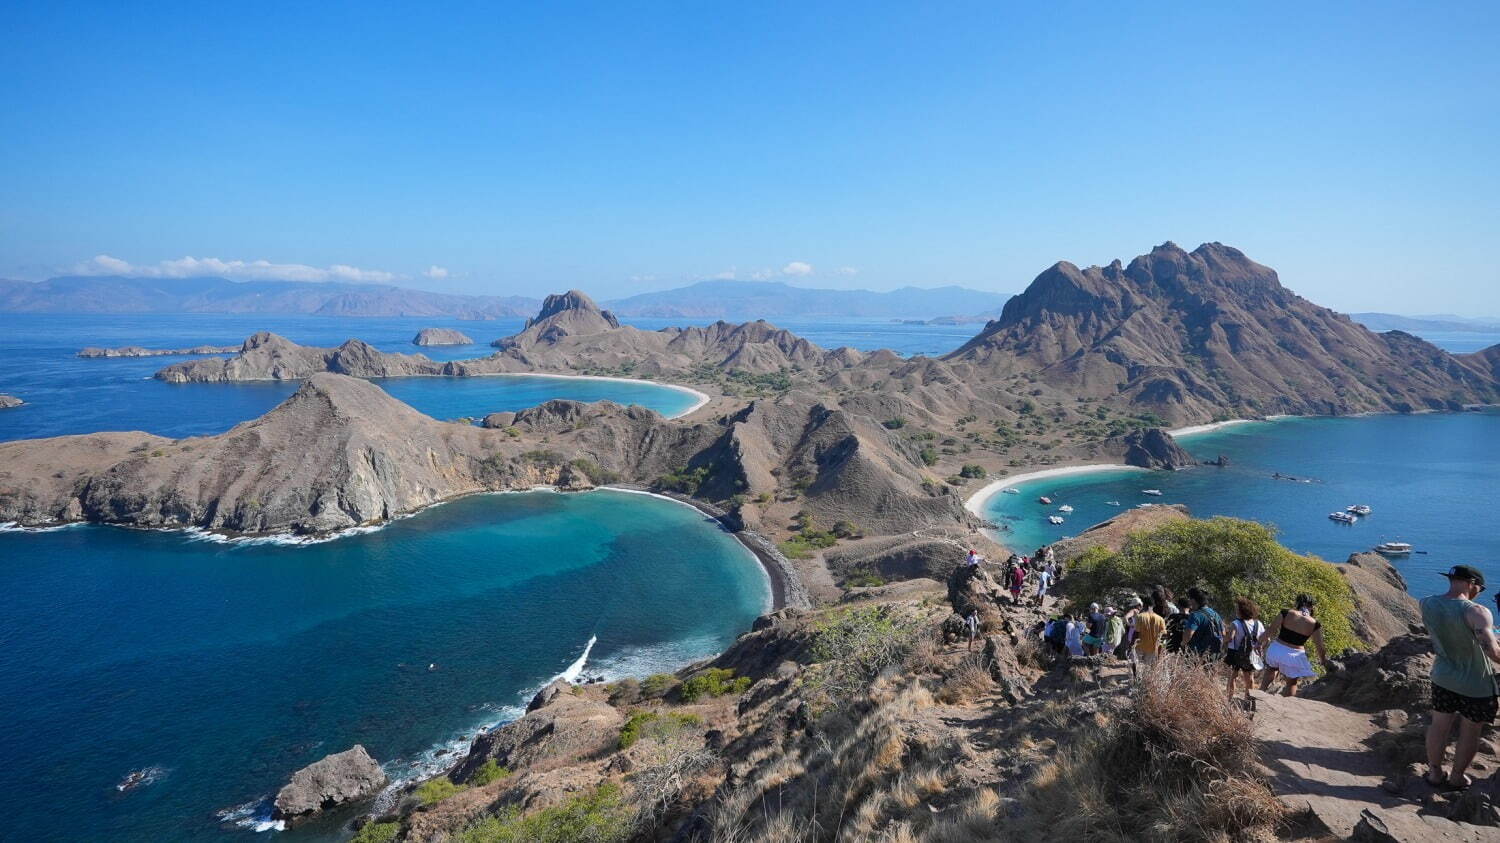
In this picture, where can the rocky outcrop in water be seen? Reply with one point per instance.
(1155, 448)
(441, 336)
(338, 779)
(267, 356)
(8, 401)
(138, 351)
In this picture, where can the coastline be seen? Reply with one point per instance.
(1194, 430)
(699, 398)
(975, 503)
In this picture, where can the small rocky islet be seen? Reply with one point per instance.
(441, 336)
(1085, 366)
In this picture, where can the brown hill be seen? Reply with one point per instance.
(1191, 335)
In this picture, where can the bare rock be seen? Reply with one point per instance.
(1383, 609)
(441, 336)
(336, 780)
(1155, 448)
(563, 729)
(1395, 676)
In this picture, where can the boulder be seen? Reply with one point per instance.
(441, 336)
(1155, 448)
(1395, 676)
(338, 779)
(498, 420)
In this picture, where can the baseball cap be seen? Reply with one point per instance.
(1464, 572)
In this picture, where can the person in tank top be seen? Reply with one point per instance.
(1286, 654)
(1463, 674)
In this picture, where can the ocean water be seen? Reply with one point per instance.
(1431, 479)
(224, 667)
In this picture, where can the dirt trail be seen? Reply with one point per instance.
(1320, 759)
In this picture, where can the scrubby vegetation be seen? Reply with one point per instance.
(601, 816)
(1226, 557)
(807, 542)
(655, 725)
(489, 771)
(685, 480)
(657, 684)
(713, 682)
(597, 474)
(855, 645)
(436, 790)
(376, 833)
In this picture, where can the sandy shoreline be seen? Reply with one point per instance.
(700, 398)
(1193, 430)
(976, 502)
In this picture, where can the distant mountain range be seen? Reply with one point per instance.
(1418, 324)
(776, 300)
(119, 294)
(704, 300)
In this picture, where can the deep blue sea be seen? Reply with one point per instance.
(224, 667)
(1432, 480)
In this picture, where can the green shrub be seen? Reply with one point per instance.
(928, 455)
(658, 684)
(544, 457)
(490, 771)
(654, 725)
(376, 833)
(713, 682)
(863, 579)
(598, 817)
(855, 645)
(597, 474)
(846, 529)
(894, 424)
(973, 472)
(685, 481)
(436, 790)
(1226, 557)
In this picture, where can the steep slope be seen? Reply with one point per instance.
(1193, 335)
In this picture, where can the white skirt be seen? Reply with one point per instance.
(1291, 662)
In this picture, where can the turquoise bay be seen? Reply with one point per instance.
(1431, 479)
(229, 665)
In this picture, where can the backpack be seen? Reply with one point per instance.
(1059, 632)
(1208, 637)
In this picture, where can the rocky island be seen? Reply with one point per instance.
(138, 351)
(441, 336)
(859, 462)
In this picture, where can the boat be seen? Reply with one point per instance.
(1358, 509)
(1044, 499)
(1054, 519)
(1153, 492)
(1065, 508)
(1111, 503)
(1393, 549)
(1342, 517)
(1010, 491)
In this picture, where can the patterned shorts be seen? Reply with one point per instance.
(1473, 709)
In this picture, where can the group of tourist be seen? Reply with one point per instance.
(1040, 569)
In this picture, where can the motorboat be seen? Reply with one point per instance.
(1111, 503)
(1342, 517)
(1044, 499)
(1152, 492)
(1358, 509)
(1010, 491)
(1065, 508)
(1054, 519)
(1393, 549)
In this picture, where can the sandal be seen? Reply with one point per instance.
(1442, 780)
(1453, 788)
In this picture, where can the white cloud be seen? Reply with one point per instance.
(847, 270)
(261, 270)
(797, 268)
(762, 275)
(726, 275)
(435, 272)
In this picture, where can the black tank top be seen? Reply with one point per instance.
(1292, 638)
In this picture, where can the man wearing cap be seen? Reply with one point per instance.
(1463, 679)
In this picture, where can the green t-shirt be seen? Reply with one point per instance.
(1461, 665)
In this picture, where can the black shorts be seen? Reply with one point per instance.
(1473, 709)
(1239, 659)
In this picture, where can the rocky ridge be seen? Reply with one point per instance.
(138, 351)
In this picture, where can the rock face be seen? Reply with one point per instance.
(338, 779)
(568, 314)
(1155, 448)
(561, 729)
(1383, 609)
(441, 336)
(8, 401)
(137, 351)
(267, 356)
(1188, 334)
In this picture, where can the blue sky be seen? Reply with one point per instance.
(623, 147)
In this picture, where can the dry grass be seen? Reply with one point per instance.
(966, 682)
(1178, 764)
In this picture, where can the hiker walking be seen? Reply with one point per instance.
(1017, 582)
(1203, 631)
(1114, 632)
(973, 559)
(1043, 582)
(1093, 637)
(1150, 630)
(1243, 656)
(1287, 655)
(1463, 676)
(1075, 635)
(971, 624)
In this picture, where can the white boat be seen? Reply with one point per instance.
(1358, 509)
(1065, 508)
(1054, 519)
(1011, 491)
(1044, 499)
(1393, 549)
(1342, 517)
(1111, 503)
(1153, 492)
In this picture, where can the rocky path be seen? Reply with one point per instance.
(1323, 760)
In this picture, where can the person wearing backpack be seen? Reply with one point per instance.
(1243, 655)
(1203, 631)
